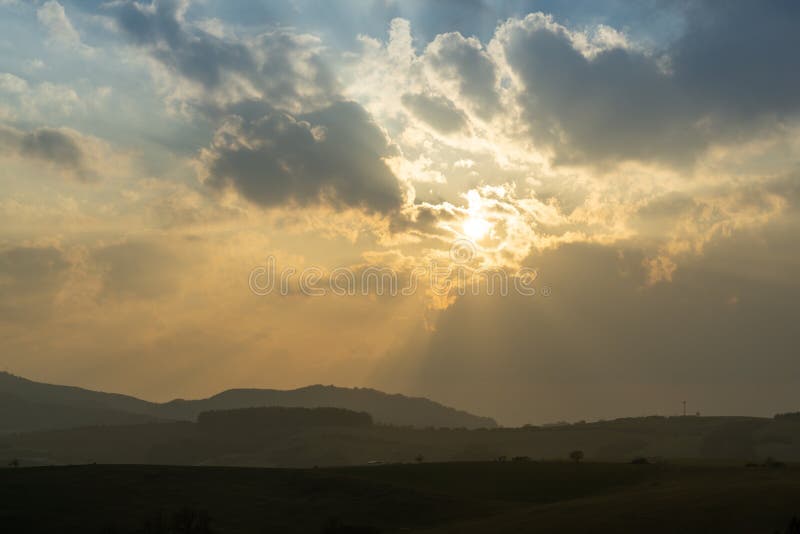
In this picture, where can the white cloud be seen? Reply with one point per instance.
(12, 84)
(52, 16)
(48, 102)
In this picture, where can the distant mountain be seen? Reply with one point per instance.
(27, 405)
(20, 415)
(384, 408)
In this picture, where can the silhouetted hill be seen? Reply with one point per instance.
(388, 409)
(38, 406)
(26, 405)
(69, 395)
(19, 415)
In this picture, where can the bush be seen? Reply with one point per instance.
(640, 460)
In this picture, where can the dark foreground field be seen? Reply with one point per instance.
(452, 497)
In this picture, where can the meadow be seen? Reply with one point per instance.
(456, 497)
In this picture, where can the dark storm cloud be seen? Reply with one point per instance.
(611, 106)
(281, 64)
(733, 72)
(196, 55)
(49, 145)
(458, 58)
(740, 57)
(437, 111)
(269, 155)
(334, 155)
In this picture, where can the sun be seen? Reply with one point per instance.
(476, 228)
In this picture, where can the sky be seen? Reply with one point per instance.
(532, 210)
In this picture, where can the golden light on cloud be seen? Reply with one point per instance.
(476, 226)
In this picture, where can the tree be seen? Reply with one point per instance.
(13, 463)
(420, 458)
(576, 456)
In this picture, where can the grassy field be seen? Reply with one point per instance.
(478, 497)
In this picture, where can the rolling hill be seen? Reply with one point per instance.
(20, 415)
(27, 405)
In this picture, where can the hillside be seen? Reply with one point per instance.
(19, 415)
(396, 410)
(53, 394)
(38, 406)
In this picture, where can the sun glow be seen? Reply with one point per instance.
(476, 228)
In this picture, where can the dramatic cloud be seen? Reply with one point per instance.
(738, 61)
(283, 138)
(454, 58)
(334, 155)
(437, 111)
(593, 98)
(592, 109)
(281, 67)
(197, 55)
(642, 158)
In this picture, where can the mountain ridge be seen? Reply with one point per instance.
(96, 407)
